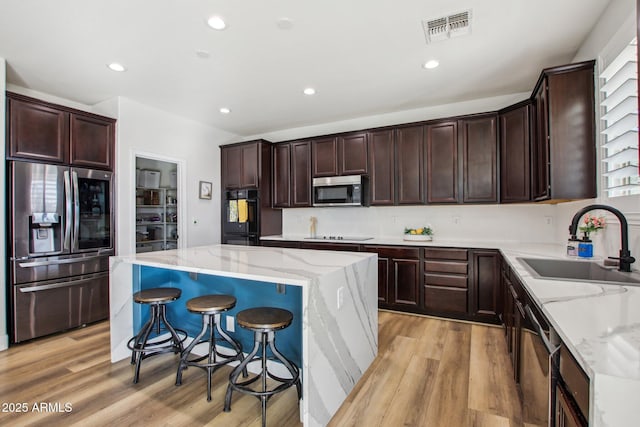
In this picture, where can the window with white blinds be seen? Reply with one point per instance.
(619, 87)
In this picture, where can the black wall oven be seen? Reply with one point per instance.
(241, 222)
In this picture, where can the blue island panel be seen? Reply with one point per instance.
(248, 293)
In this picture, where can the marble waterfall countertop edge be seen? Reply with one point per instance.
(599, 323)
(281, 265)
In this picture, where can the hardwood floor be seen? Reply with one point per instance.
(429, 372)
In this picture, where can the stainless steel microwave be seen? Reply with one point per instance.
(350, 190)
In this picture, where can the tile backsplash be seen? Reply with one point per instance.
(526, 222)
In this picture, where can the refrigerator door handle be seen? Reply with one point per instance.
(76, 211)
(36, 288)
(68, 214)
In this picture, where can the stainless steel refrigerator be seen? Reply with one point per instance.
(61, 236)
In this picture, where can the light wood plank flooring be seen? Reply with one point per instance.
(429, 372)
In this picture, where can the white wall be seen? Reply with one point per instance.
(4, 337)
(154, 133)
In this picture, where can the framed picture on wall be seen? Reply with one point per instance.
(205, 190)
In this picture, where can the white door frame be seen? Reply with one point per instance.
(181, 169)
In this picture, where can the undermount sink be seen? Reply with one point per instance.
(581, 271)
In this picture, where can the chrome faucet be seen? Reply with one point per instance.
(625, 259)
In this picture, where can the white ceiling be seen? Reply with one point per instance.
(363, 57)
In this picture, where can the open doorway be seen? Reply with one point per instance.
(157, 202)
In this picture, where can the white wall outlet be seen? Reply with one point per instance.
(340, 297)
(231, 324)
(455, 219)
(548, 220)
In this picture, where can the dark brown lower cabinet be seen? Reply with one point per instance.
(398, 277)
(484, 292)
(451, 282)
(446, 277)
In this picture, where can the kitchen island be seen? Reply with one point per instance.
(335, 295)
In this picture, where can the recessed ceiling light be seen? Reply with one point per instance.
(309, 91)
(216, 22)
(225, 110)
(430, 64)
(114, 66)
(203, 54)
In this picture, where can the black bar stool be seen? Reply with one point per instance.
(264, 321)
(140, 346)
(209, 306)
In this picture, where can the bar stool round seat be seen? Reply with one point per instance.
(211, 304)
(264, 322)
(140, 345)
(210, 307)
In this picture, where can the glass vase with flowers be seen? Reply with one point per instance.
(591, 224)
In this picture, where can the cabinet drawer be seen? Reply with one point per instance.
(576, 380)
(446, 253)
(445, 299)
(445, 280)
(394, 252)
(446, 267)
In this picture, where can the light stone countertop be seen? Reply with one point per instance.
(599, 323)
(291, 267)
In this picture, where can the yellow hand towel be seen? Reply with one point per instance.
(243, 211)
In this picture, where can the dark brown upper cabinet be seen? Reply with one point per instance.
(352, 154)
(515, 159)
(231, 162)
(563, 162)
(301, 174)
(52, 133)
(325, 157)
(292, 174)
(441, 158)
(342, 155)
(479, 145)
(282, 175)
(409, 165)
(242, 164)
(37, 131)
(91, 141)
(381, 167)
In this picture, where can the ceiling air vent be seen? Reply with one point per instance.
(458, 24)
